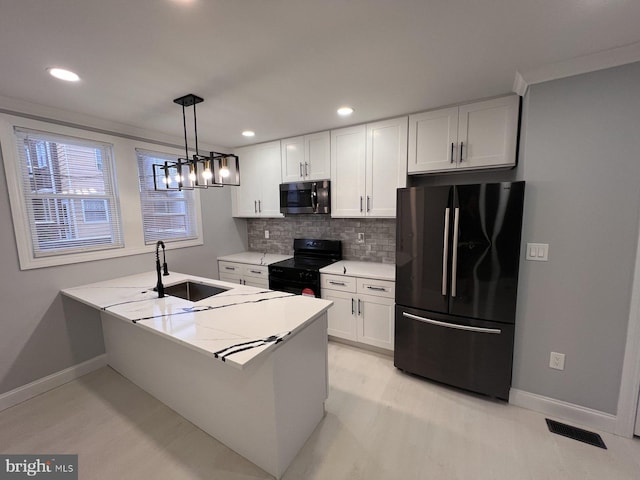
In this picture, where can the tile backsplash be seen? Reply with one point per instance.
(379, 235)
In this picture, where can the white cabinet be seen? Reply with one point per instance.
(472, 136)
(362, 311)
(368, 164)
(306, 158)
(244, 274)
(259, 192)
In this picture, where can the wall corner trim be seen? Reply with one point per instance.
(570, 412)
(42, 385)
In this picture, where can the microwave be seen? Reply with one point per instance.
(305, 197)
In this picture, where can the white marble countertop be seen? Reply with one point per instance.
(378, 271)
(239, 315)
(254, 258)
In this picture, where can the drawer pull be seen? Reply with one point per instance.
(342, 284)
(377, 289)
(230, 268)
(452, 325)
(256, 271)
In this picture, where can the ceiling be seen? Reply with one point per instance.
(283, 67)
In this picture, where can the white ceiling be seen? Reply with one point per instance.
(283, 67)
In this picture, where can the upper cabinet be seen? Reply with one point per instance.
(471, 136)
(368, 164)
(306, 158)
(258, 194)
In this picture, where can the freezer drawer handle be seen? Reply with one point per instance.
(452, 325)
(445, 251)
(454, 261)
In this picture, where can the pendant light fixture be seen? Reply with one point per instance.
(195, 171)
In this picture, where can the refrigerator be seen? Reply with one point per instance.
(457, 258)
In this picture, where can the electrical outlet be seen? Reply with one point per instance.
(360, 238)
(266, 234)
(556, 360)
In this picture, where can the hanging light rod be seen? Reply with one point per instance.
(195, 171)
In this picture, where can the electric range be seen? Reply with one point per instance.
(301, 274)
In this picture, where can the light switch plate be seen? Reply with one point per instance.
(537, 252)
(360, 238)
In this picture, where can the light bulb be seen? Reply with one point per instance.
(207, 175)
(179, 178)
(224, 172)
(165, 180)
(192, 176)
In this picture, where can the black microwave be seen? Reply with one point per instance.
(305, 197)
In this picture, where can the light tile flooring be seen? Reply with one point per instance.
(380, 424)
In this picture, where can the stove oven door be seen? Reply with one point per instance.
(308, 287)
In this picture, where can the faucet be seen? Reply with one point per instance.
(159, 287)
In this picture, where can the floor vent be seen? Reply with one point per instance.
(575, 433)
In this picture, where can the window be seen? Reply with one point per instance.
(95, 211)
(69, 194)
(166, 215)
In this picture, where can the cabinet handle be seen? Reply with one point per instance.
(361, 203)
(230, 268)
(377, 289)
(353, 306)
(259, 206)
(451, 153)
(301, 170)
(368, 203)
(342, 284)
(306, 169)
(240, 281)
(256, 271)
(461, 147)
(359, 308)
(255, 206)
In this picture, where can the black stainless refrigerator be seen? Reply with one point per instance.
(457, 257)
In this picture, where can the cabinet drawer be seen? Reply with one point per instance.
(379, 288)
(338, 282)
(231, 278)
(256, 271)
(230, 267)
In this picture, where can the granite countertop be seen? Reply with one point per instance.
(240, 315)
(254, 258)
(377, 271)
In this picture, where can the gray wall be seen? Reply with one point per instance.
(582, 167)
(379, 235)
(38, 339)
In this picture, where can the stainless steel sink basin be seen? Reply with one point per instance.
(192, 291)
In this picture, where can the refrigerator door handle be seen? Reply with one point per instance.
(454, 260)
(445, 251)
(452, 325)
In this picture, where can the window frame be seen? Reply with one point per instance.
(125, 184)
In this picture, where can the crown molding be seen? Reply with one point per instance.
(613, 57)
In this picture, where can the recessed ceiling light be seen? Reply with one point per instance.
(249, 133)
(345, 111)
(63, 74)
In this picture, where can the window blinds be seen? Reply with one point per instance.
(166, 215)
(69, 193)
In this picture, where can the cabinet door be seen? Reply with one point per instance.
(375, 321)
(257, 282)
(245, 197)
(487, 133)
(293, 159)
(431, 137)
(268, 169)
(386, 167)
(317, 156)
(341, 315)
(348, 171)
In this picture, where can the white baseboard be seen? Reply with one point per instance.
(20, 394)
(570, 412)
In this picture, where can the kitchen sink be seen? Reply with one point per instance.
(194, 292)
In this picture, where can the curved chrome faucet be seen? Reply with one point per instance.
(165, 269)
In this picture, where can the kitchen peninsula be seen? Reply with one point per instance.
(246, 365)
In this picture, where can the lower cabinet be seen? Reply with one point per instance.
(244, 274)
(362, 311)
